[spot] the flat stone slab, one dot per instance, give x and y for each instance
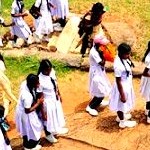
(67, 35)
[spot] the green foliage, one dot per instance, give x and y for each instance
(17, 69)
(22, 66)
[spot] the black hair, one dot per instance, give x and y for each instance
(2, 110)
(44, 65)
(1, 57)
(96, 46)
(147, 51)
(20, 6)
(123, 48)
(96, 12)
(39, 95)
(32, 81)
(98, 8)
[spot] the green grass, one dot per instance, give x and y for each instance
(19, 67)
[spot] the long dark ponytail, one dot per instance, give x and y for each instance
(20, 5)
(124, 48)
(32, 81)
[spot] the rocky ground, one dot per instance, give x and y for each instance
(86, 132)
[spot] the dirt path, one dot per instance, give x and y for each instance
(63, 144)
(88, 132)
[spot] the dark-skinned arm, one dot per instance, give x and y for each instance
(145, 73)
(33, 108)
(43, 113)
(20, 14)
(59, 95)
(102, 63)
(120, 89)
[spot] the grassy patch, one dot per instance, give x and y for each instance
(19, 67)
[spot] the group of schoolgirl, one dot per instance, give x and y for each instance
(44, 24)
(121, 93)
(38, 109)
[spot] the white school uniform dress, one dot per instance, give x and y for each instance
(20, 29)
(27, 124)
(61, 10)
(55, 116)
(145, 81)
(99, 84)
(3, 145)
(43, 24)
(115, 103)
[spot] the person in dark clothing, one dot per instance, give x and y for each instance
(87, 26)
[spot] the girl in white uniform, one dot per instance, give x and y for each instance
(122, 94)
(43, 24)
(99, 84)
(52, 103)
(20, 29)
(61, 11)
(4, 140)
(145, 82)
(27, 121)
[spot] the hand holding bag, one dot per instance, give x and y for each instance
(35, 11)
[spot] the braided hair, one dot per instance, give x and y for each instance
(124, 48)
(32, 81)
(44, 65)
(20, 5)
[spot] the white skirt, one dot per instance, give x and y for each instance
(99, 84)
(145, 88)
(44, 24)
(115, 103)
(3, 145)
(20, 29)
(28, 124)
(55, 116)
(61, 10)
